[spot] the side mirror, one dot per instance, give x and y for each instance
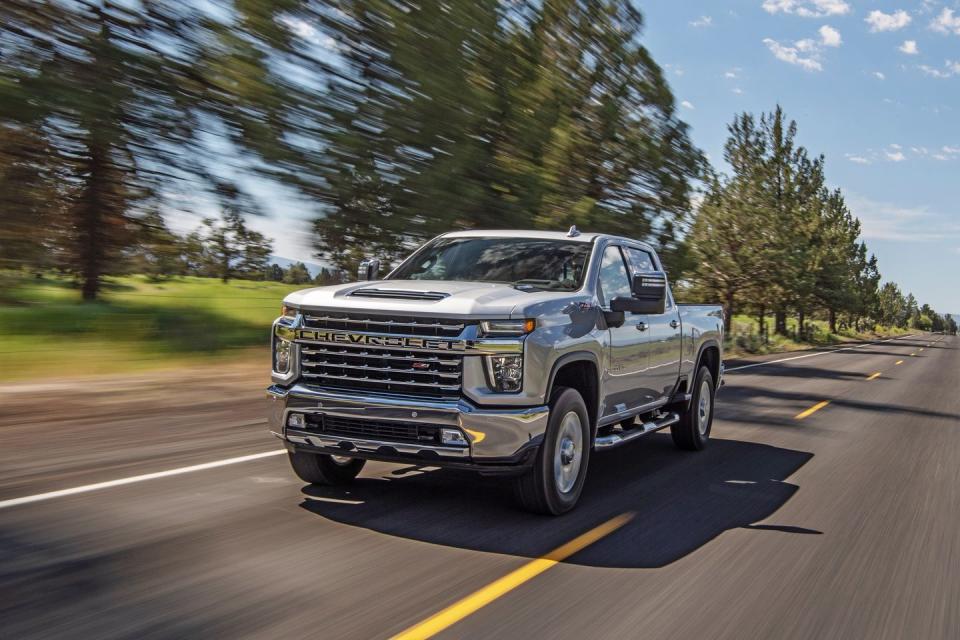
(650, 285)
(369, 269)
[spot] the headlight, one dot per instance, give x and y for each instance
(506, 372)
(507, 327)
(287, 311)
(281, 355)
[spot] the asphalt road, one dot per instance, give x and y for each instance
(844, 523)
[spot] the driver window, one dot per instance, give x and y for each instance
(613, 281)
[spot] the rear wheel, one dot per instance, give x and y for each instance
(693, 430)
(320, 468)
(554, 483)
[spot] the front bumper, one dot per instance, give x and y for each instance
(496, 437)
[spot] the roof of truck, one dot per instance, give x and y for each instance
(539, 235)
(515, 233)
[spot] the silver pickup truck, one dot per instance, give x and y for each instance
(505, 352)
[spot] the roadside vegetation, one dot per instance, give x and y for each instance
(137, 323)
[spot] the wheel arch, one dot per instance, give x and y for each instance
(579, 370)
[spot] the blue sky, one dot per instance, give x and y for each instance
(886, 113)
(875, 86)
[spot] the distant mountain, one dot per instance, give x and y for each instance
(313, 267)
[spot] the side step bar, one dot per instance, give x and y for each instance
(612, 440)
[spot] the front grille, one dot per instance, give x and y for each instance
(385, 430)
(414, 372)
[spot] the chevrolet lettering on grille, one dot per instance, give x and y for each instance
(405, 342)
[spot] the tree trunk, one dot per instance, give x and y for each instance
(833, 321)
(801, 320)
(762, 323)
(91, 235)
(728, 313)
(780, 323)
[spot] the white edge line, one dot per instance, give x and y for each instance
(812, 355)
(50, 495)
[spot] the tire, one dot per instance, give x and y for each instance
(319, 468)
(692, 432)
(553, 485)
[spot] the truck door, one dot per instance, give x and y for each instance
(627, 356)
(662, 338)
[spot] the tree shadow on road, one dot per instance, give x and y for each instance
(680, 501)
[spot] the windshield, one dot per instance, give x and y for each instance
(522, 262)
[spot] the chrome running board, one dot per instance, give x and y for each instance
(612, 440)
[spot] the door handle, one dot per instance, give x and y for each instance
(674, 324)
(641, 326)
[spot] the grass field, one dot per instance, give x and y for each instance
(45, 330)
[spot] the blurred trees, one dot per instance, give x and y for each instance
(484, 114)
(105, 108)
(399, 120)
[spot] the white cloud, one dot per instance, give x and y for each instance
(730, 74)
(737, 90)
(686, 104)
(792, 55)
(950, 68)
(857, 159)
(946, 23)
(879, 75)
(889, 221)
(893, 154)
(808, 8)
(702, 21)
(830, 37)
(950, 150)
(805, 53)
(909, 47)
(880, 21)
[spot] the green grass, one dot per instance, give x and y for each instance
(46, 330)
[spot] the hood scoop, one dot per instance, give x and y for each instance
(398, 294)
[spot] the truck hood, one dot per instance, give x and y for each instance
(437, 298)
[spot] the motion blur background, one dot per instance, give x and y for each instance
(142, 141)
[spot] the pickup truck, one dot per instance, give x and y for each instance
(520, 353)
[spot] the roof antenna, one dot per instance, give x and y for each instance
(573, 233)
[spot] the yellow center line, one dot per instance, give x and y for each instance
(813, 409)
(898, 362)
(484, 596)
(875, 375)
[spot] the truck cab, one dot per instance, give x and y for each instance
(505, 352)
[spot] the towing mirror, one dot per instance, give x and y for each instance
(649, 294)
(369, 269)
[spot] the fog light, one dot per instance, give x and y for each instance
(452, 436)
(506, 372)
(297, 420)
(281, 356)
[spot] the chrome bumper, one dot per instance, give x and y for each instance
(494, 435)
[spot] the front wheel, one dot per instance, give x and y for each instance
(554, 483)
(320, 468)
(693, 430)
